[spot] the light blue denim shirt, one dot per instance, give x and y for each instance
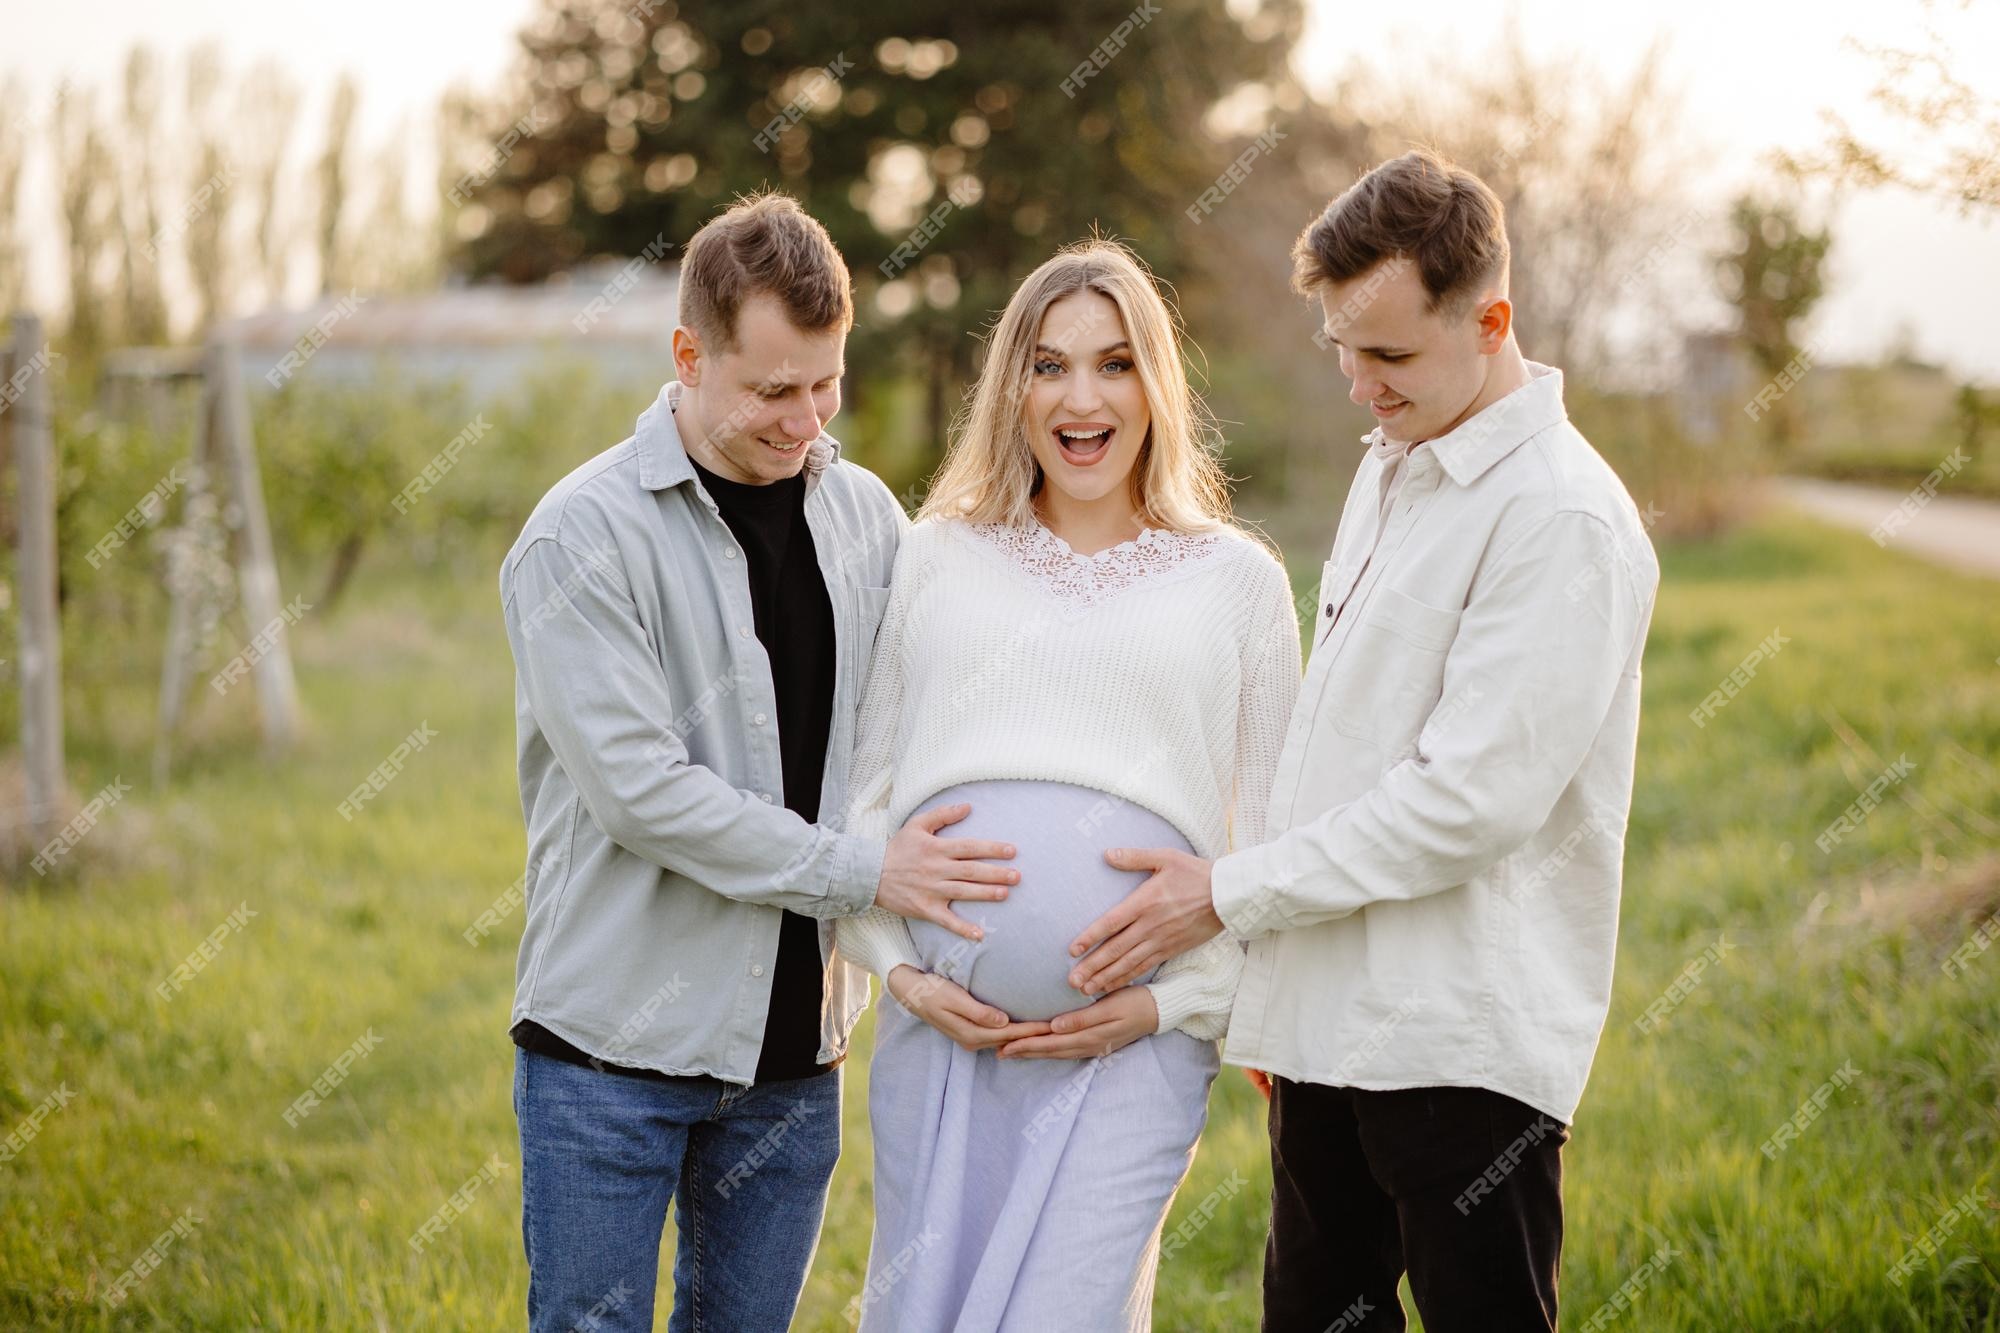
(661, 856)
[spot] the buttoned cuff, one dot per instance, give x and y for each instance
(859, 875)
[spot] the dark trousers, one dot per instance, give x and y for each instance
(1461, 1186)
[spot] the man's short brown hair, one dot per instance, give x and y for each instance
(1421, 207)
(764, 243)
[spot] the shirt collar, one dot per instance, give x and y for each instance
(1479, 442)
(663, 459)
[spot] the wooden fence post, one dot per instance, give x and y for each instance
(41, 627)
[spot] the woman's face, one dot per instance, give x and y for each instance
(1087, 412)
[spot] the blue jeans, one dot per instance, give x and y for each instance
(601, 1156)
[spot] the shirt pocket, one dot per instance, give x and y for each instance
(1391, 671)
(869, 605)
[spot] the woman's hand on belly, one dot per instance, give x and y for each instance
(951, 1009)
(1094, 1031)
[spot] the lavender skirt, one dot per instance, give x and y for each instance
(1028, 1195)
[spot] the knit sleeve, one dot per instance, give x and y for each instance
(878, 939)
(1264, 710)
(1195, 990)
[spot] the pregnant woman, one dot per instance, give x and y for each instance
(1081, 647)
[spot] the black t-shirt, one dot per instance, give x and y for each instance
(794, 622)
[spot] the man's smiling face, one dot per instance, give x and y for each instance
(1417, 369)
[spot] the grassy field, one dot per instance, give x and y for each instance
(1816, 967)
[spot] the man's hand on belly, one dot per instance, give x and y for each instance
(1169, 914)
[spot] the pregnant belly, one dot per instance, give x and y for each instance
(1060, 833)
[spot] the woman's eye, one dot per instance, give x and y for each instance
(1048, 367)
(1117, 364)
(1396, 360)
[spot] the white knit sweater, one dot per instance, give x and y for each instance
(1161, 671)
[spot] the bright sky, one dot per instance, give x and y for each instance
(1754, 74)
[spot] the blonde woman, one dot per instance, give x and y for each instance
(1083, 648)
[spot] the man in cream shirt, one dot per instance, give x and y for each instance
(1432, 923)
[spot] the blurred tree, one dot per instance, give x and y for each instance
(1773, 272)
(14, 147)
(977, 142)
(269, 110)
(145, 303)
(333, 184)
(88, 202)
(1955, 127)
(204, 216)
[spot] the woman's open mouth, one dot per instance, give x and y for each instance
(1086, 443)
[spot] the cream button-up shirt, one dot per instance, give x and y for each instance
(1437, 901)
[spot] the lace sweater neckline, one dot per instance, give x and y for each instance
(1037, 551)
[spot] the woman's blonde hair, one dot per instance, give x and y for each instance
(990, 475)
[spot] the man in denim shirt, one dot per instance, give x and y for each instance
(692, 614)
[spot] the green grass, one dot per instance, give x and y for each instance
(178, 1105)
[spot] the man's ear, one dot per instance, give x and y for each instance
(1496, 323)
(687, 355)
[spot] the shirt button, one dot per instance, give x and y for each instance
(757, 970)
(1329, 608)
(743, 630)
(759, 719)
(729, 553)
(764, 796)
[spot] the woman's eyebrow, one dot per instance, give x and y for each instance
(1058, 351)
